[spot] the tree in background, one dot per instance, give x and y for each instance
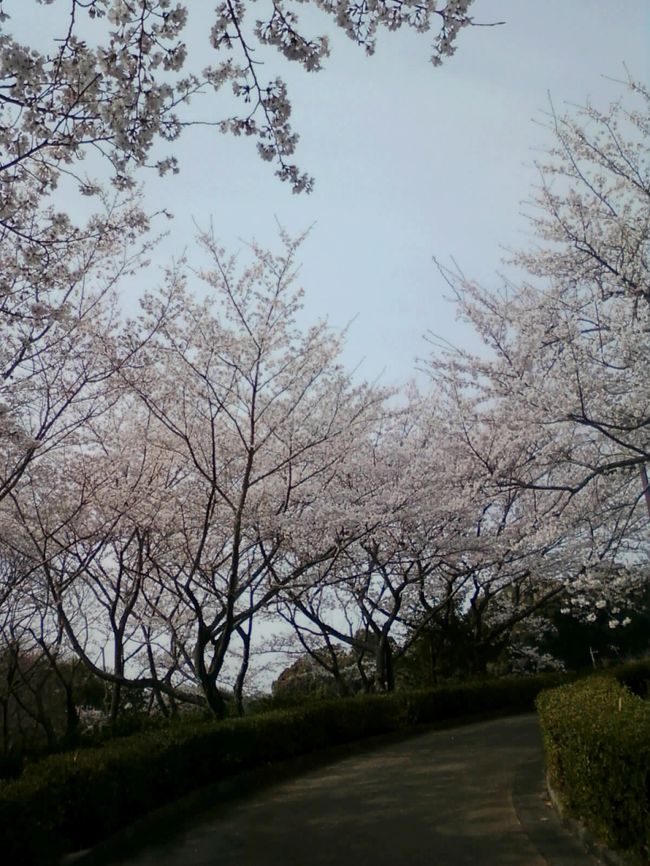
(57, 317)
(223, 473)
(452, 560)
(563, 387)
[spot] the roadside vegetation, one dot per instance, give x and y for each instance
(596, 735)
(70, 801)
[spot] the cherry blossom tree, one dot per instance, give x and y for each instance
(58, 343)
(223, 472)
(558, 405)
(118, 78)
(571, 342)
(266, 427)
(88, 520)
(355, 603)
(57, 313)
(449, 551)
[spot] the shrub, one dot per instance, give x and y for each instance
(70, 801)
(596, 736)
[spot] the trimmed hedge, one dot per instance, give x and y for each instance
(596, 737)
(70, 801)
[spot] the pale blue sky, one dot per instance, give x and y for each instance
(410, 162)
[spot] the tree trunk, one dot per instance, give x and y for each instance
(71, 734)
(243, 669)
(114, 708)
(384, 662)
(215, 700)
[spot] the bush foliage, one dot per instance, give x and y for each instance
(70, 801)
(596, 736)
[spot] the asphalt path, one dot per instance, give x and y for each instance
(456, 797)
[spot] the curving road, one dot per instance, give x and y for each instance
(457, 797)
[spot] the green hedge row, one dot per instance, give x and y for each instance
(70, 801)
(596, 736)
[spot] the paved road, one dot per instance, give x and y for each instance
(469, 796)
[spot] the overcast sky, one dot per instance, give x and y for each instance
(410, 162)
